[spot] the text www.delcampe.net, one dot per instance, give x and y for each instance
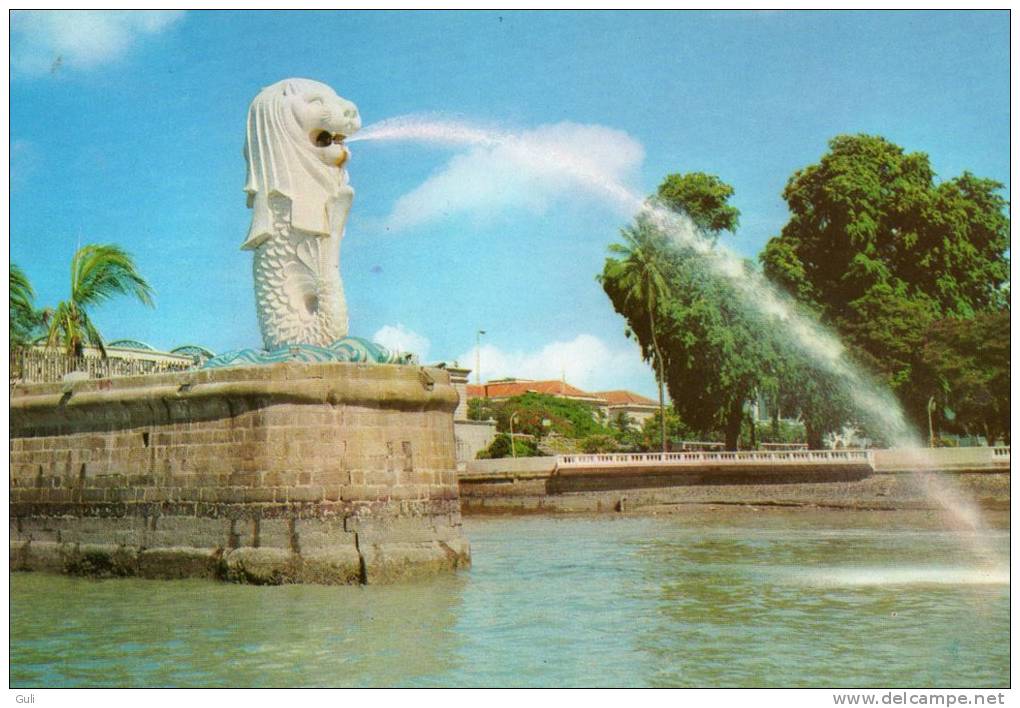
(909, 698)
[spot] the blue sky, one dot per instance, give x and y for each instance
(128, 128)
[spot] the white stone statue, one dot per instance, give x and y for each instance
(298, 192)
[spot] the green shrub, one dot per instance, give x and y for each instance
(500, 447)
(599, 443)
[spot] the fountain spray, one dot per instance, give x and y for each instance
(822, 347)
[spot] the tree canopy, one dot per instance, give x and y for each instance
(869, 222)
(539, 414)
(702, 197)
(886, 254)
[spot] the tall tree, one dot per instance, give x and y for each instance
(704, 198)
(714, 353)
(881, 252)
(24, 318)
(98, 272)
(637, 274)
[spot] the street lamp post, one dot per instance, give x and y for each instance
(478, 356)
(513, 449)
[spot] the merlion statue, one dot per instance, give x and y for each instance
(298, 193)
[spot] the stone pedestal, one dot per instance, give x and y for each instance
(326, 473)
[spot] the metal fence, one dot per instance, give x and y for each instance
(41, 366)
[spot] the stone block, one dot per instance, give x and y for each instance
(306, 494)
(102, 560)
(315, 535)
(335, 566)
(262, 566)
(275, 533)
(180, 562)
(395, 562)
(186, 531)
(259, 494)
(18, 559)
(45, 557)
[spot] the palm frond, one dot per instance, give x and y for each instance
(101, 271)
(98, 273)
(24, 319)
(92, 335)
(22, 295)
(61, 327)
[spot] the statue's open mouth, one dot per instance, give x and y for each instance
(324, 138)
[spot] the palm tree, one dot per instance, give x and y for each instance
(98, 272)
(640, 273)
(23, 315)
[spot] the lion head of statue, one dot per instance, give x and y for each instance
(295, 148)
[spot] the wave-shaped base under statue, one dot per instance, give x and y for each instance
(349, 349)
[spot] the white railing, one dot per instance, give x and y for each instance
(750, 457)
(945, 458)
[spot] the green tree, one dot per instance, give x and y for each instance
(599, 443)
(98, 272)
(821, 399)
(964, 366)
(539, 414)
(481, 409)
(702, 197)
(24, 318)
(621, 422)
(500, 447)
(675, 429)
(881, 252)
(722, 351)
(637, 277)
(713, 351)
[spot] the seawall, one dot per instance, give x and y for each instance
(535, 485)
(326, 472)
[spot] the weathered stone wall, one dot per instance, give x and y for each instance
(529, 476)
(880, 491)
(284, 473)
(529, 485)
(472, 436)
(459, 380)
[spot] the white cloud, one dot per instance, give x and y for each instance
(586, 361)
(530, 171)
(399, 338)
(24, 159)
(47, 40)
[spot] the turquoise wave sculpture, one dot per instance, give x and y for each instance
(349, 349)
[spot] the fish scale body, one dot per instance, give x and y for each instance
(298, 290)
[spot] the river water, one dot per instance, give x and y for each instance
(700, 598)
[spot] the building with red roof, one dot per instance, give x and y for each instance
(612, 403)
(636, 406)
(508, 388)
